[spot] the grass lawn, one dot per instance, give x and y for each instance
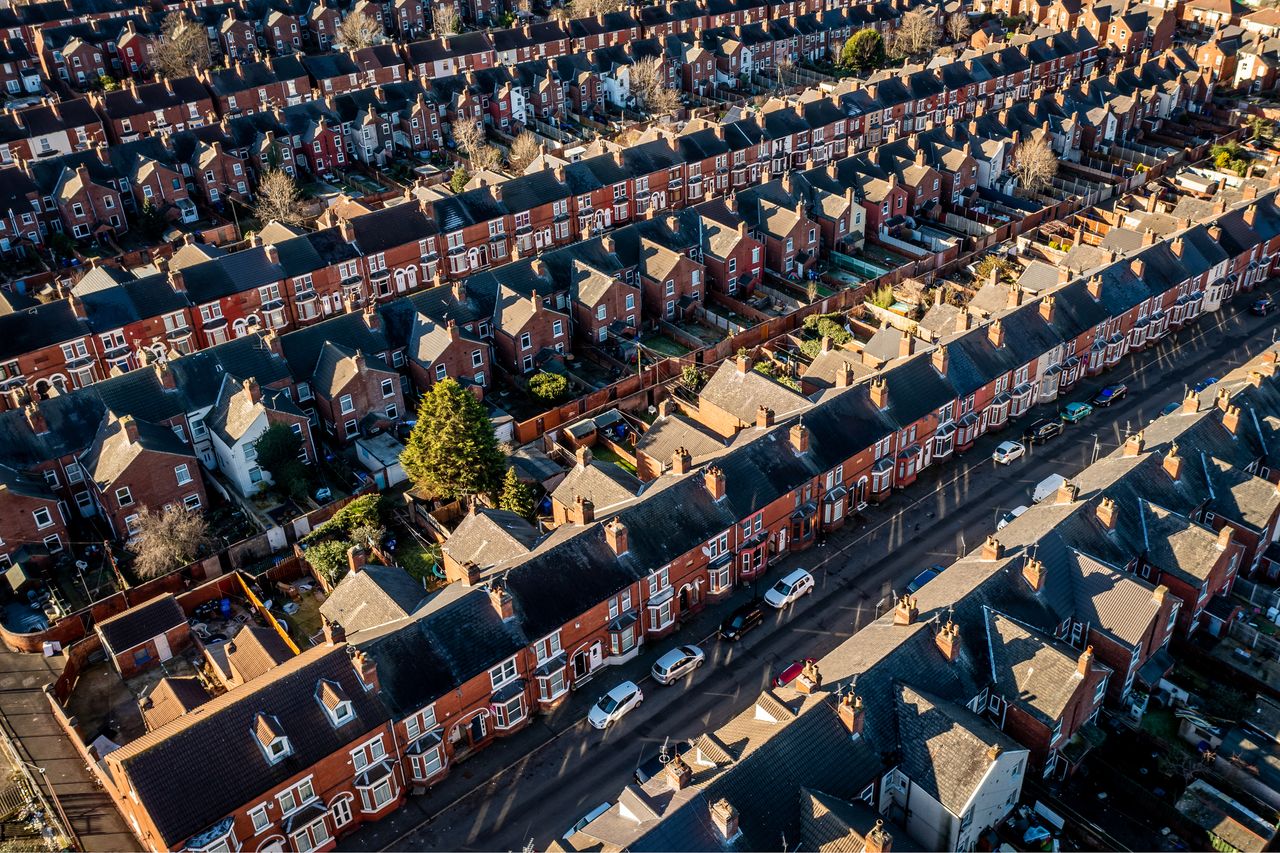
(663, 345)
(607, 454)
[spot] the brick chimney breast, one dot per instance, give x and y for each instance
(992, 549)
(852, 713)
(615, 534)
(948, 640)
(1106, 513)
(1231, 419)
(906, 611)
(1085, 662)
(713, 479)
(1033, 573)
(680, 461)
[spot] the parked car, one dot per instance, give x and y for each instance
(1110, 394)
(791, 672)
(924, 577)
(587, 818)
(1171, 408)
(1008, 451)
(1262, 306)
(789, 589)
(742, 620)
(1010, 516)
(615, 705)
(653, 765)
(1041, 431)
(1205, 383)
(677, 663)
(1074, 413)
(1047, 488)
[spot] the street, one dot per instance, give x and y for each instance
(536, 786)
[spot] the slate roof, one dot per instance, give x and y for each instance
(218, 738)
(1031, 670)
(667, 434)
(172, 697)
(605, 484)
(112, 452)
(254, 650)
(742, 393)
(372, 597)
(486, 537)
(137, 625)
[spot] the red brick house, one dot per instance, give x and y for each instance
(88, 208)
(31, 521)
(437, 350)
(154, 108)
(354, 393)
(144, 636)
(602, 303)
(524, 327)
(134, 465)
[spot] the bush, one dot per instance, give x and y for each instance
(363, 512)
(329, 559)
(548, 387)
(882, 298)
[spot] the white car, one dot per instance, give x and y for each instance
(789, 589)
(587, 819)
(1010, 516)
(1008, 451)
(677, 663)
(615, 705)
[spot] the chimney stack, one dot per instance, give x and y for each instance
(851, 712)
(1067, 493)
(582, 456)
(367, 669)
(1106, 513)
(995, 333)
(992, 549)
(844, 374)
(584, 511)
(764, 417)
(679, 774)
(615, 534)
(1173, 462)
(1095, 287)
(939, 359)
(1190, 403)
(713, 479)
(799, 435)
(905, 612)
(725, 819)
(877, 840)
(1085, 662)
(502, 603)
(879, 391)
(744, 363)
(1046, 308)
(948, 640)
(1231, 420)
(1133, 444)
(1225, 536)
(680, 461)
(357, 558)
(35, 418)
(1033, 573)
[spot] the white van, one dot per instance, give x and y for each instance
(1047, 488)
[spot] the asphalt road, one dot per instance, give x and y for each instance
(561, 768)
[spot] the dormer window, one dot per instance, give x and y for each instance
(335, 703)
(271, 738)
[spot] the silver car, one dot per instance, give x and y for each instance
(677, 663)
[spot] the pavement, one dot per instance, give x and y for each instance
(53, 760)
(535, 785)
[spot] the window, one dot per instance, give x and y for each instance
(183, 473)
(373, 799)
(366, 754)
(75, 473)
(291, 798)
(311, 836)
(423, 721)
(547, 648)
(191, 502)
(260, 819)
(388, 388)
(53, 544)
(123, 496)
(351, 428)
(526, 341)
(557, 328)
(1100, 691)
(508, 714)
(345, 404)
(43, 518)
(658, 581)
(503, 673)
(441, 371)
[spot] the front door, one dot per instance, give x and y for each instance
(477, 729)
(597, 654)
(581, 665)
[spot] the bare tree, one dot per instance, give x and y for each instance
(786, 71)
(560, 14)
(471, 141)
(1035, 164)
(524, 150)
(649, 85)
(167, 540)
(958, 27)
(590, 8)
(359, 29)
(279, 199)
(917, 34)
(182, 48)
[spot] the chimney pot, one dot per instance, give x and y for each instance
(948, 640)
(1085, 662)
(905, 612)
(1033, 572)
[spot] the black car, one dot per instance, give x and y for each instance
(742, 620)
(652, 766)
(1263, 306)
(1041, 431)
(1110, 394)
